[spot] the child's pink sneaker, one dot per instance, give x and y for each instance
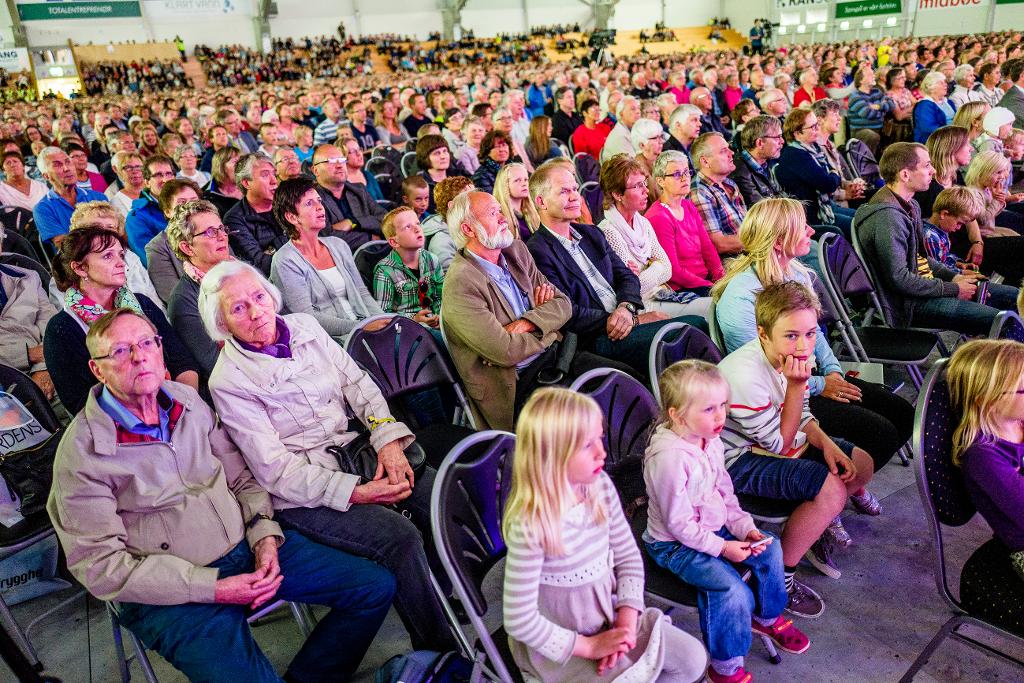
(788, 637)
(741, 676)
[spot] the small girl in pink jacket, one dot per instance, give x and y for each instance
(697, 530)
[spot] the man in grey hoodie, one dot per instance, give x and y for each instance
(915, 290)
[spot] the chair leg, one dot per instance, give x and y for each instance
(122, 658)
(453, 621)
(11, 626)
(303, 617)
(922, 659)
(773, 654)
(905, 454)
(142, 658)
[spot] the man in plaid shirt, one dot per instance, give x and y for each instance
(716, 196)
(408, 280)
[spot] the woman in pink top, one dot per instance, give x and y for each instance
(679, 228)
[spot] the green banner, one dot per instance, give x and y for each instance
(867, 8)
(79, 10)
(1009, 2)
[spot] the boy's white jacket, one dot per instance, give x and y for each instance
(691, 495)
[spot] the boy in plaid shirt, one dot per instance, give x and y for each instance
(408, 280)
(954, 207)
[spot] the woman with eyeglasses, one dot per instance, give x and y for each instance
(803, 171)
(128, 167)
(90, 269)
(679, 229)
(199, 240)
(632, 238)
(317, 275)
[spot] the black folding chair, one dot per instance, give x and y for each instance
(846, 278)
(1007, 325)
(947, 504)
(466, 510)
(367, 256)
(675, 342)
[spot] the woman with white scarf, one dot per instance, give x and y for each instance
(631, 236)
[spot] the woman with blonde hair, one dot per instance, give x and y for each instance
(988, 173)
(631, 236)
(512, 190)
(775, 235)
(569, 617)
(986, 385)
(972, 116)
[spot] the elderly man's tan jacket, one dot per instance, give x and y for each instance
(139, 522)
(474, 313)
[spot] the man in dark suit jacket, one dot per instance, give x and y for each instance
(253, 232)
(1014, 97)
(576, 258)
(760, 143)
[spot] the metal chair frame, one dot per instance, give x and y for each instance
(654, 360)
(1007, 325)
(490, 663)
(960, 617)
(302, 613)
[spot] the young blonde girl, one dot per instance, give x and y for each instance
(696, 527)
(574, 579)
(986, 384)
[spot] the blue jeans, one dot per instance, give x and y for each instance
(212, 642)
(635, 349)
(950, 313)
(843, 219)
(724, 601)
(1003, 297)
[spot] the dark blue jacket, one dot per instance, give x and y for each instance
(558, 266)
(800, 176)
(928, 118)
(145, 221)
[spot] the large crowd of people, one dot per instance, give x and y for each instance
(203, 273)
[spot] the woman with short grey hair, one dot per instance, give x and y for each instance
(284, 389)
(200, 241)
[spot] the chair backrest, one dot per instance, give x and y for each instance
(367, 256)
(390, 153)
(630, 413)
(408, 164)
(844, 266)
(27, 263)
(594, 197)
(587, 168)
(402, 357)
(467, 506)
(829, 313)
(675, 342)
(862, 160)
(1007, 325)
(713, 329)
(17, 219)
(939, 482)
(21, 386)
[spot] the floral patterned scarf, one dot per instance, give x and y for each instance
(88, 311)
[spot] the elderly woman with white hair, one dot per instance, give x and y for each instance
(963, 91)
(648, 140)
(935, 109)
(284, 389)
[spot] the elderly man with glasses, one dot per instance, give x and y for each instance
(352, 214)
(155, 509)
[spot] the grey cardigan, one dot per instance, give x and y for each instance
(305, 291)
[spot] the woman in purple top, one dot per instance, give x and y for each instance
(986, 383)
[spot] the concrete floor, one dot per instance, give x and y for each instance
(878, 616)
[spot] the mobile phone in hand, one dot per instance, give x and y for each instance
(764, 541)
